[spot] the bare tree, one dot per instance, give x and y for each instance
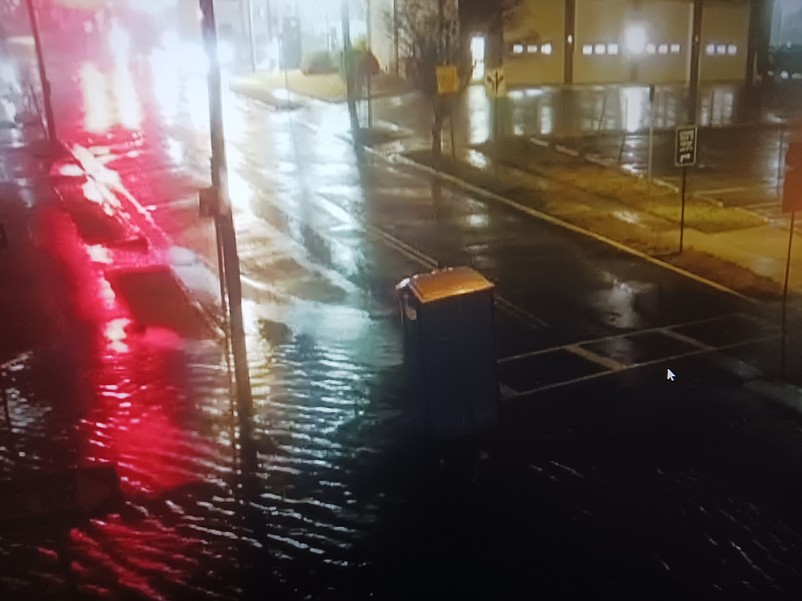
(428, 37)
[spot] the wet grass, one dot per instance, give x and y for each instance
(729, 274)
(628, 190)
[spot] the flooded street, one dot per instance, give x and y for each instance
(619, 487)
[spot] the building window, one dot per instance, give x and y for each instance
(517, 48)
(612, 49)
(710, 49)
(721, 49)
(532, 48)
(663, 49)
(587, 49)
(651, 48)
(546, 48)
(675, 48)
(600, 49)
(732, 49)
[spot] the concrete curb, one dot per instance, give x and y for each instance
(397, 158)
(210, 317)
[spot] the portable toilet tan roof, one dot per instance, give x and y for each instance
(446, 283)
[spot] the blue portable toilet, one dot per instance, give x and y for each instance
(450, 351)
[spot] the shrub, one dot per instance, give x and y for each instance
(318, 63)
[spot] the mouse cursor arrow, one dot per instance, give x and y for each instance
(670, 375)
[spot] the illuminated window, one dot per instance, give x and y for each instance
(532, 48)
(587, 49)
(546, 48)
(674, 48)
(518, 49)
(721, 49)
(650, 49)
(732, 49)
(612, 48)
(663, 49)
(710, 49)
(600, 49)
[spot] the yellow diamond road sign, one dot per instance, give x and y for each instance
(447, 80)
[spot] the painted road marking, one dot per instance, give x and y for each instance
(399, 159)
(634, 333)
(429, 262)
(633, 366)
(610, 364)
(686, 339)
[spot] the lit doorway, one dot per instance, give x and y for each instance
(478, 57)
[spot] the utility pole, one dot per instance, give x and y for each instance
(347, 60)
(251, 44)
(369, 23)
(696, 51)
(52, 136)
(224, 220)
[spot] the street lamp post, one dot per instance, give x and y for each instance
(224, 220)
(52, 135)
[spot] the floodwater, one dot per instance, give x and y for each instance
(606, 490)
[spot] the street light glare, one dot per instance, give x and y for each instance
(635, 39)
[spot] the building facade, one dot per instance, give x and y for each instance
(619, 41)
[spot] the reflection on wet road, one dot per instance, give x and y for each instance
(584, 491)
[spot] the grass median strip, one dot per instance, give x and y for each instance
(627, 190)
(648, 233)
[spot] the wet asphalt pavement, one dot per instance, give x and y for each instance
(604, 479)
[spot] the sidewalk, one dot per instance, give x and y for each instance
(32, 315)
(272, 87)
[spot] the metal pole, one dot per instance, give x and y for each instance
(397, 47)
(249, 9)
(225, 220)
(682, 213)
(780, 161)
(369, 18)
(453, 143)
(347, 58)
(785, 289)
(693, 84)
(52, 135)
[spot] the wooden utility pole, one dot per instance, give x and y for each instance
(224, 220)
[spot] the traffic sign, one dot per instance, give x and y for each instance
(792, 186)
(495, 83)
(447, 79)
(685, 146)
(36, 497)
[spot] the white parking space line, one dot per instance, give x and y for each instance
(606, 362)
(658, 329)
(676, 357)
(686, 339)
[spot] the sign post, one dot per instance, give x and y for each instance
(684, 156)
(448, 85)
(496, 86)
(792, 202)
